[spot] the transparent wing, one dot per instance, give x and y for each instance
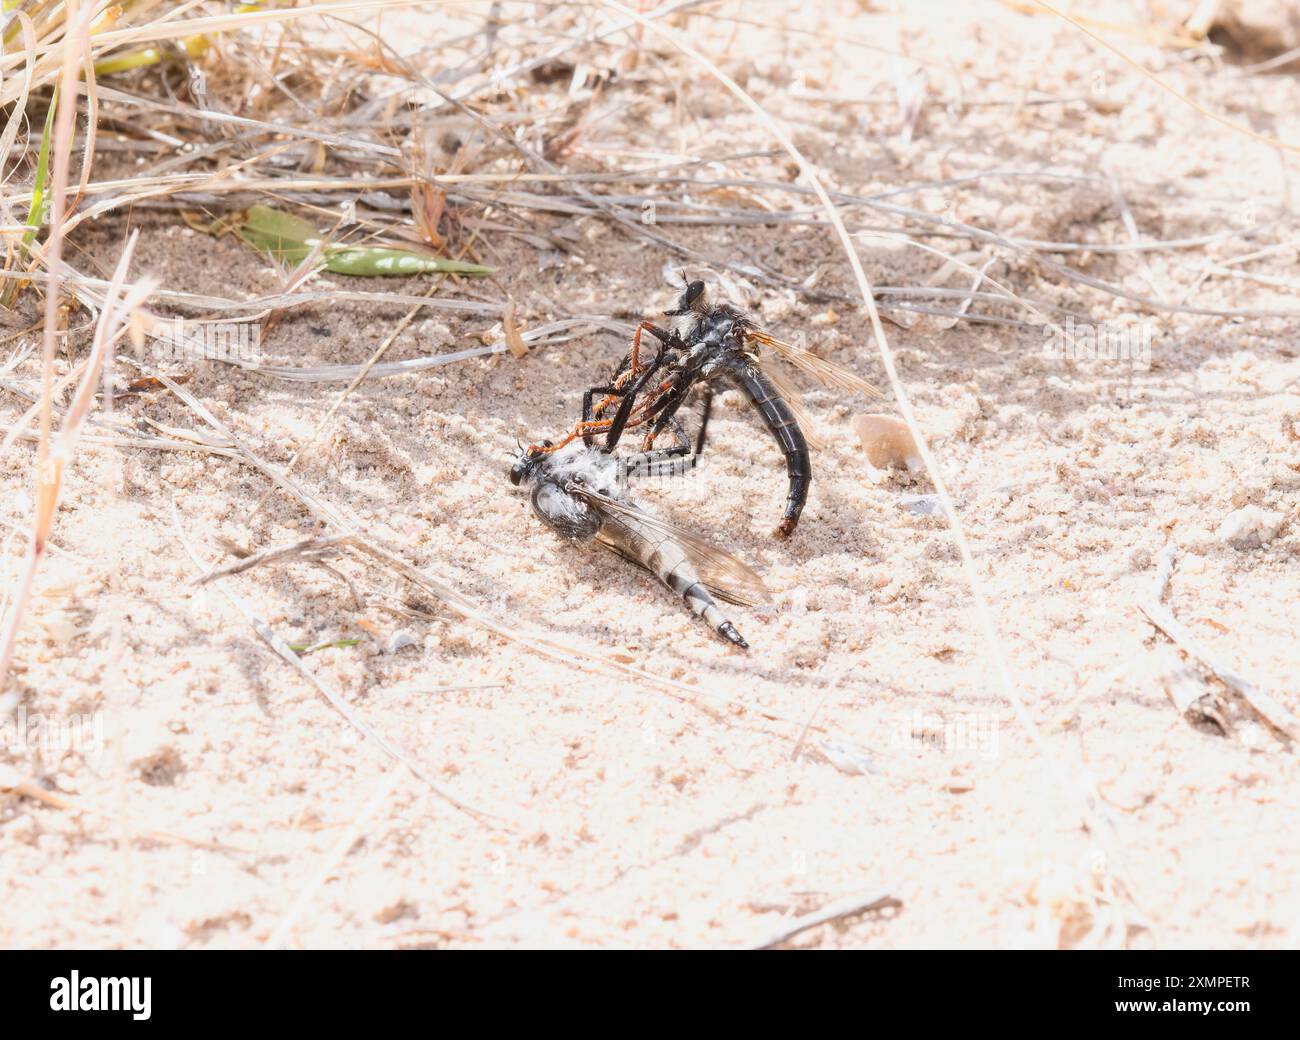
(727, 577)
(825, 372)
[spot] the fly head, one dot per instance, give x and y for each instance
(693, 300)
(526, 465)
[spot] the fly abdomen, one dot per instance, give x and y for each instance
(663, 557)
(784, 427)
(681, 579)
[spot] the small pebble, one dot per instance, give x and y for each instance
(887, 441)
(1249, 527)
(926, 505)
(399, 640)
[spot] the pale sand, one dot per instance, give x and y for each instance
(628, 817)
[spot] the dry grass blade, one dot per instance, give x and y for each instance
(309, 549)
(841, 909)
(287, 654)
(52, 458)
(1268, 707)
(112, 325)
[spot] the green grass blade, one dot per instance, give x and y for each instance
(287, 238)
(38, 211)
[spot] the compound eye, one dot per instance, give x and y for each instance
(693, 292)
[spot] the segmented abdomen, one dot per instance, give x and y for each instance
(784, 427)
(663, 557)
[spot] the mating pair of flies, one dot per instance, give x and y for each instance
(579, 487)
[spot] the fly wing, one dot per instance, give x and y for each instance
(825, 372)
(727, 577)
(794, 399)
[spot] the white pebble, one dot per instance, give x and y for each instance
(1249, 527)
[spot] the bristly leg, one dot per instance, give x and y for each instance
(630, 366)
(624, 413)
(588, 415)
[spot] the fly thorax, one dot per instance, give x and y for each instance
(685, 325)
(587, 467)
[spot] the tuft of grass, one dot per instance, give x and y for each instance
(38, 210)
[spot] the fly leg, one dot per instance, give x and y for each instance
(682, 447)
(624, 413)
(706, 395)
(611, 393)
(663, 462)
(784, 428)
(629, 367)
(682, 457)
(664, 410)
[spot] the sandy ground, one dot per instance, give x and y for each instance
(235, 807)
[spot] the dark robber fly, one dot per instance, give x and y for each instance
(581, 493)
(708, 343)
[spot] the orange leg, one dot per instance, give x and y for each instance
(639, 410)
(582, 429)
(578, 430)
(634, 368)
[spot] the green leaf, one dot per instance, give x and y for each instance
(289, 239)
(286, 237)
(378, 261)
(307, 648)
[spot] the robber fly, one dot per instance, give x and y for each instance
(705, 344)
(581, 493)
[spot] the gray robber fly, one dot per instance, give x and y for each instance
(581, 493)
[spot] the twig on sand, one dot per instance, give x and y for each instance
(336, 702)
(309, 549)
(1264, 704)
(12, 783)
(850, 906)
